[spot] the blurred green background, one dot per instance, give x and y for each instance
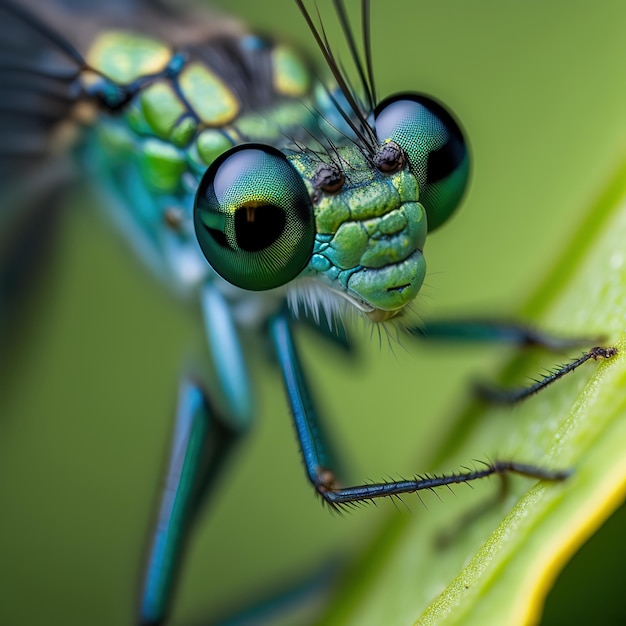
(86, 396)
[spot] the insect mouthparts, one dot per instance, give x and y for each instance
(398, 287)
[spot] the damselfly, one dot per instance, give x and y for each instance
(148, 390)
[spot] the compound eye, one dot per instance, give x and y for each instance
(434, 146)
(254, 218)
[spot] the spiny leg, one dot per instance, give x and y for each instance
(493, 331)
(313, 446)
(500, 332)
(510, 396)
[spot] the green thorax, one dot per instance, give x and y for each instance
(193, 104)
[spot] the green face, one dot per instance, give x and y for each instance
(353, 220)
(369, 232)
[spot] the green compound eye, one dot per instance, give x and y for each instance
(254, 218)
(435, 147)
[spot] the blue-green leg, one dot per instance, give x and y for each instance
(293, 602)
(494, 331)
(202, 441)
(313, 446)
(226, 354)
(496, 395)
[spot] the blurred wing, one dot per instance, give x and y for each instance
(42, 110)
(36, 97)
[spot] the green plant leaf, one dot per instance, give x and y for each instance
(456, 564)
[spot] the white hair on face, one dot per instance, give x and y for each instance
(309, 298)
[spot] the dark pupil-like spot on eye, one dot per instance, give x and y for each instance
(328, 178)
(442, 162)
(389, 158)
(258, 227)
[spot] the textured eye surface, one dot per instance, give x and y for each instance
(254, 218)
(434, 146)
